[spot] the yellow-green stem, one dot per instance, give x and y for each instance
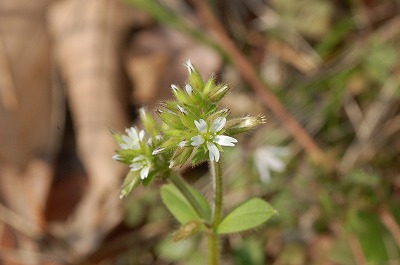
(213, 248)
(213, 237)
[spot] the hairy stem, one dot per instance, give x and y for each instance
(218, 189)
(213, 248)
(183, 188)
(213, 237)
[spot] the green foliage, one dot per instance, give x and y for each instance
(179, 206)
(374, 238)
(353, 50)
(247, 215)
(249, 253)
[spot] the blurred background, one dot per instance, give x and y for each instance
(325, 73)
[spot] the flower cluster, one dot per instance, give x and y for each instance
(193, 129)
(136, 148)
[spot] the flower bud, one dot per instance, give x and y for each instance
(171, 119)
(117, 136)
(244, 124)
(195, 79)
(180, 156)
(132, 180)
(223, 113)
(209, 85)
(218, 92)
(149, 122)
(183, 97)
(171, 143)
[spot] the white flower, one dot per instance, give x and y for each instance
(188, 89)
(117, 157)
(174, 88)
(182, 110)
(142, 164)
(132, 140)
(182, 144)
(269, 158)
(189, 66)
(157, 151)
(209, 135)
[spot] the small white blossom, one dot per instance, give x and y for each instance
(117, 157)
(142, 164)
(181, 109)
(182, 144)
(157, 151)
(174, 88)
(188, 89)
(209, 135)
(132, 140)
(269, 158)
(188, 64)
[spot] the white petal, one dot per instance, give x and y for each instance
(213, 152)
(188, 89)
(124, 146)
(201, 125)
(182, 109)
(132, 133)
(265, 175)
(174, 88)
(218, 124)
(116, 157)
(136, 166)
(197, 140)
(141, 135)
(157, 151)
(225, 140)
(275, 164)
(189, 66)
(138, 158)
(182, 144)
(144, 173)
(126, 139)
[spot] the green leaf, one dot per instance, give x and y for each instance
(179, 206)
(247, 215)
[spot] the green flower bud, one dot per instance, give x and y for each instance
(180, 156)
(171, 119)
(218, 92)
(209, 85)
(223, 113)
(132, 180)
(149, 123)
(171, 143)
(117, 136)
(245, 124)
(182, 96)
(195, 79)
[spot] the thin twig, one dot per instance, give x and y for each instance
(249, 74)
(371, 123)
(391, 224)
(357, 251)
